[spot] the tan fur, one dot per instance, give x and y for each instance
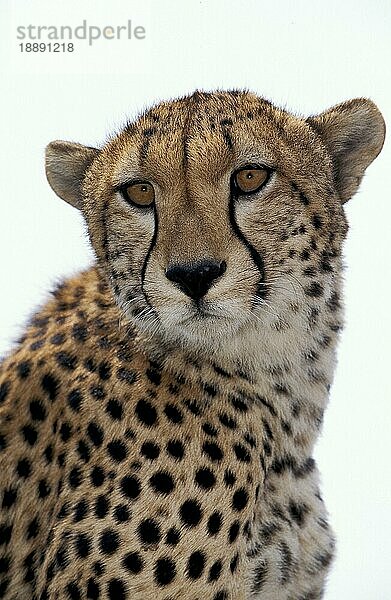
(125, 407)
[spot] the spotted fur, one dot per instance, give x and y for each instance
(157, 448)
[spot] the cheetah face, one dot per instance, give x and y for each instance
(211, 214)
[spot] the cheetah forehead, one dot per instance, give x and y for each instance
(205, 134)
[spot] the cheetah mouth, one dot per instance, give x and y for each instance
(198, 316)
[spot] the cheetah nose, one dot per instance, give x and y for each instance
(195, 279)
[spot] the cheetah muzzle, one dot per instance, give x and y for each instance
(158, 416)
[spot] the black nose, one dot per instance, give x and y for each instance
(195, 279)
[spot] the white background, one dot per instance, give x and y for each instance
(305, 55)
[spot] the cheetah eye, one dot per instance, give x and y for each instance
(250, 179)
(140, 193)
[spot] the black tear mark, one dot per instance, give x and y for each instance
(256, 257)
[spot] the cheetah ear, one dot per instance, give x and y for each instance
(66, 164)
(353, 132)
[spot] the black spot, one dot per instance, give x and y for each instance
(90, 365)
(239, 404)
(66, 360)
(172, 537)
(210, 389)
(83, 451)
(104, 371)
(37, 410)
(221, 595)
(162, 483)
(150, 450)
(109, 541)
(239, 499)
(64, 511)
(95, 433)
(209, 429)
(221, 371)
(234, 563)
(81, 510)
(154, 376)
(30, 434)
(93, 592)
(227, 421)
(196, 565)
(50, 385)
(65, 432)
(99, 568)
(149, 131)
(298, 512)
(191, 513)
(233, 531)
(4, 389)
(43, 489)
(215, 522)
(229, 478)
(213, 451)
(315, 290)
(260, 576)
(317, 221)
(79, 332)
(101, 506)
(205, 478)
(5, 534)
(82, 545)
(267, 404)
(73, 591)
(75, 477)
(215, 571)
(175, 449)
(97, 392)
(305, 254)
(9, 497)
(146, 413)
(74, 400)
(117, 450)
(130, 486)
(193, 407)
(116, 590)
(309, 272)
(24, 369)
(149, 532)
(32, 529)
(250, 440)
(303, 198)
(23, 468)
(164, 571)
(57, 339)
(97, 476)
(173, 414)
(114, 409)
(36, 345)
(133, 562)
(285, 563)
(126, 375)
(242, 453)
(121, 513)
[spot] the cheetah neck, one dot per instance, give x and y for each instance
(286, 366)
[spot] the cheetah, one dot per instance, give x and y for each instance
(159, 414)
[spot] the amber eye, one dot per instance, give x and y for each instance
(250, 179)
(140, 193)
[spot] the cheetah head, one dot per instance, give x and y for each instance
(213, 213)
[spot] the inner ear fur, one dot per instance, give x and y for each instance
(353, 133)
(66, 164)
